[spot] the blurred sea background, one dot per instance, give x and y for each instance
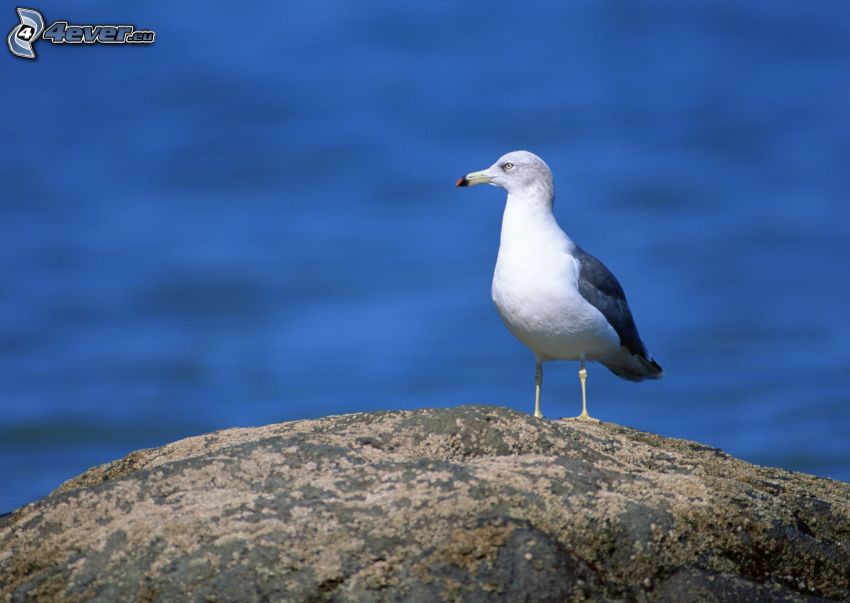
(254, 220)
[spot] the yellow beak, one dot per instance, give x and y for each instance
(474, 178)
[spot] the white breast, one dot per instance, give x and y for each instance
(536, 293)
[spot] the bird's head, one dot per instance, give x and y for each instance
(517, 172)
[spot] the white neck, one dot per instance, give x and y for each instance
(528, 222)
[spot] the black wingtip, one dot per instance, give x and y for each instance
(654, 370)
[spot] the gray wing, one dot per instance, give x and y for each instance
(600, 288)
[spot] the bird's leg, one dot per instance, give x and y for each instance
(538, 384)
(582, 375)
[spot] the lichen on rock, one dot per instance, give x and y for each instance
(464, 504)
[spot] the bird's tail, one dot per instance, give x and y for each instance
(634, 367)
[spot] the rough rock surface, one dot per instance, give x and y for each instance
(462, 504)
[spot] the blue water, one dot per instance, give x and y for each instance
(254, 220)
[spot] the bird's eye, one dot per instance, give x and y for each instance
(507, 166)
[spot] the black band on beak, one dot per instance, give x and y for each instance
(462, 181)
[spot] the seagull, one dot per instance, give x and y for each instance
(554, 297)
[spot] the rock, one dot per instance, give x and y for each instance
(463, 504)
